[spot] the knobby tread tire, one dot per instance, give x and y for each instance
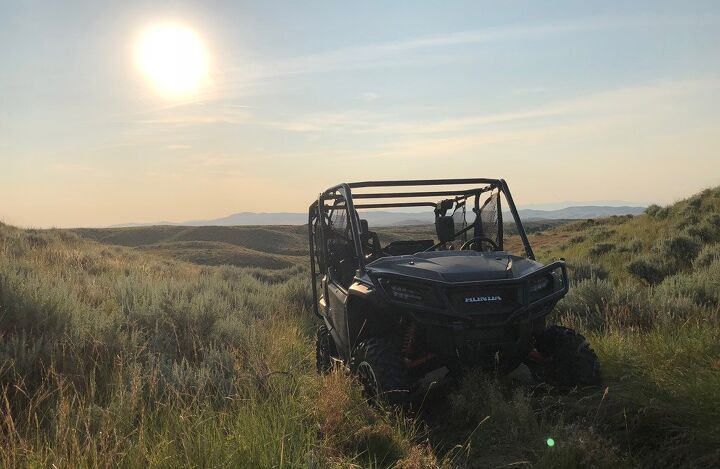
(569, 360)
(325, 350)
(383, 356)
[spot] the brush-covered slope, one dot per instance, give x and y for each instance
(111, 356)
(664, 242)
(266, 247)
(216, 253)
(290, 240)
(119, 354)
(646, 289)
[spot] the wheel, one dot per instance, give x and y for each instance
(378, 365)
(567, 359)
(325, 350)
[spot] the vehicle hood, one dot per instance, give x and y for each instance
(455, 266)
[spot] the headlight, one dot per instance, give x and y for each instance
(404, 293)
(539, 284)
(545, 285)
(408, 292)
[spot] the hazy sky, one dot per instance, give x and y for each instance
(566, 101)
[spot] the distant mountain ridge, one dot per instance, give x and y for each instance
(390, 218)
(580, 212)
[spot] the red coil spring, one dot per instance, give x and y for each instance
(408, 340)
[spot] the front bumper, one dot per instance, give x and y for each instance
(484, 303)
(473, 321)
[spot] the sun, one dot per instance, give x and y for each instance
(173, 57)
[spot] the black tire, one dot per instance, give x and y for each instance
(325, 350)
(568, 359)
(379, 367)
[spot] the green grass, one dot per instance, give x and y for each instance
(218, 253)
(113, 356)
(266, 247)
(142, 347)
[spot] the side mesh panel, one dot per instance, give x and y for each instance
(338, 221)
(489, 219)
(460, 217)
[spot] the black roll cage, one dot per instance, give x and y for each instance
(316, 210)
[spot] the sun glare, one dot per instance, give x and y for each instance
(174, 58)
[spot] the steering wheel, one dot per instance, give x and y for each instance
(467, 245)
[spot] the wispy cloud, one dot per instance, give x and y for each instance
(197, 114)
(403, 52)
(369, 96)
(587, 117)
(619, 101)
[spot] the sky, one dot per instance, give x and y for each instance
(568, 101)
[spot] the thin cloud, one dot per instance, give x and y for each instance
(594, 116)
(397, 53)
(369, 96)
(635, 99)
(199, 116)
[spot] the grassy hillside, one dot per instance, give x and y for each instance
(112, 356)
(124, 354)
(647, 292)
(290, 239)
(267, 247)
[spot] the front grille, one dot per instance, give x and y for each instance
(486, 301)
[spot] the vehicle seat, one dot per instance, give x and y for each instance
(341, 260)
(366, 236)
(445, 228)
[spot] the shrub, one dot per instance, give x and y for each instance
(708, 230)
(601, 248)
(713, 219)
(582, 269)
(585, 303)
(617, 219)
(577, 239)
(600, 233)
(682, 247)
(298, 294)
(657, 211)
(701, 287)
(650, 268)
(701, 231)
(590, 222)
(669, 308)
(633, 246)
(597, 304)
(629, 308)
(695, 202)
(708, 254)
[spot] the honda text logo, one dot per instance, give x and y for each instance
(482, 299)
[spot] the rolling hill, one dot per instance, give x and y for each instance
(268, 247)
(271, 247)
(392, 218)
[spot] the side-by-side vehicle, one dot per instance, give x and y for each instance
(399, 311)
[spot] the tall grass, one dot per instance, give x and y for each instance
(656, 331)
(110, 357)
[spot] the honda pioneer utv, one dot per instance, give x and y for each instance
(399, 312)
